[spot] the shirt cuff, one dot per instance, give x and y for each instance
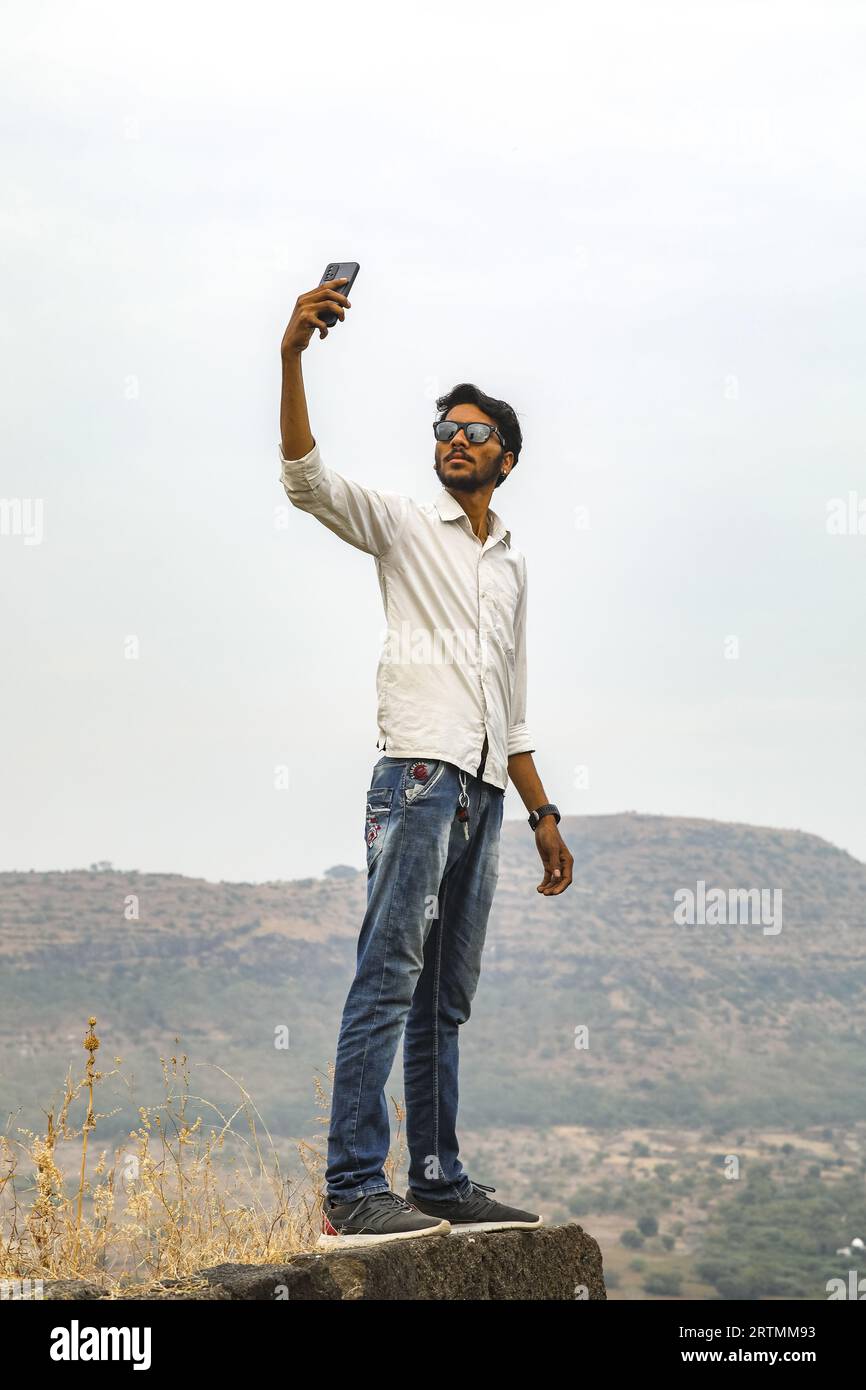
(520, 740)
(307, 470)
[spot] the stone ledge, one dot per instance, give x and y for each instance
(554, 1262)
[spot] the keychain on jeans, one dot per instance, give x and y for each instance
(463, 804)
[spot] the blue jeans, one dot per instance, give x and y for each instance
(429, 893)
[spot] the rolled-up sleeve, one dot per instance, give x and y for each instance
(370, 520)
(519, 737)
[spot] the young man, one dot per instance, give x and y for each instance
(452, 730)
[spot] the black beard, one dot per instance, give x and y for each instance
(474, 482)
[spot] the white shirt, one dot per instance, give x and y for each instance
(453, 660)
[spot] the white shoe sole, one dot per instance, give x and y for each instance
(458, 1226)
(324, 1242)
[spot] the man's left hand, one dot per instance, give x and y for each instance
(555, 857)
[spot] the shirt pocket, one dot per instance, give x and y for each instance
(376, 820)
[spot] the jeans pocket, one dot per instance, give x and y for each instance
(422, 774)
(376, 821)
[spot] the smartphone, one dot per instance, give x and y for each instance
(333, 271)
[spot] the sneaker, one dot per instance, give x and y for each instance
(377, 1217)
(477, 1212)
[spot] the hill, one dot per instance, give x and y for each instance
(596, 1008)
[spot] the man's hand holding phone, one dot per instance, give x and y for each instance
(306, 315)
(320, 308)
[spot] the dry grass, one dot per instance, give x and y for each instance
(173, 1201)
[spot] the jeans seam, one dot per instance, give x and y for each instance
(371, 1029)
(435, 1009)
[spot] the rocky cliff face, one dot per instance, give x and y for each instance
(557, 1262)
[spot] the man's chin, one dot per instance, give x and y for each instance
(459, 479)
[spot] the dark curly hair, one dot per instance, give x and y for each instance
(500, 411)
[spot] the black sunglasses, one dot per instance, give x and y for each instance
(476, 432)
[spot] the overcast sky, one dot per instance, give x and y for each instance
(641, 224)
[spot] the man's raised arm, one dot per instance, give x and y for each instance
(369, 520)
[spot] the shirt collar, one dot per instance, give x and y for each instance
(450, 510)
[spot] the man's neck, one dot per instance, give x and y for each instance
(475, 505)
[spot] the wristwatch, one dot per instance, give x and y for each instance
(535, 816)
